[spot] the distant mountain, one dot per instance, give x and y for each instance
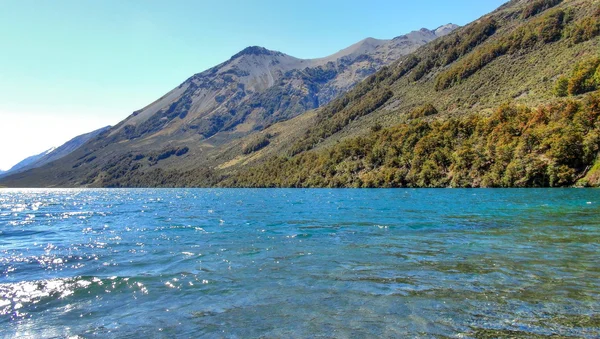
(25, 163)
(252, 90)
(54, 153)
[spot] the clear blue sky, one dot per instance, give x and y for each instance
(70, 66)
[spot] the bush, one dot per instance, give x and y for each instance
(257, 144)
(538, 6)
(423, 68)
(423, 111)
(586, 28)
(585, 77)
(561, 87)
(181, 151)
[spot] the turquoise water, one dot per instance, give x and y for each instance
(299, 263)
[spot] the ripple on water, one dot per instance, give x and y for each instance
(22, 299)
(300, 263)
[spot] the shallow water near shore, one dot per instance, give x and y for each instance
(299, 263)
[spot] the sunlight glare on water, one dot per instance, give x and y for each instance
(299, 263)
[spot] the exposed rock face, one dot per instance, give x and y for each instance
(258, 87)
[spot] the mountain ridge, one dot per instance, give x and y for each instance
(53, 153)
(509, 100)
(256, 69)
(253, 89)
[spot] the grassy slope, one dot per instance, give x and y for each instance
(526, 77)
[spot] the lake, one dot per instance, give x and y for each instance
(239, 263)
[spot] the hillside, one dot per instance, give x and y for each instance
(510, 100)
(195, 121)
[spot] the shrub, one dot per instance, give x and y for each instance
(181, 151)
(561, 87)
(586, 28)
(257, 144)
(584, 77)
(423, 111)
(538, 6)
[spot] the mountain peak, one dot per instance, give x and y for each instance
(255, 50)
(445, 29)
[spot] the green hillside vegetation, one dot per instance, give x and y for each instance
(584, 78)
(551, 145)
(548, 28)
(510, 100)
(513, 145)
(257, 144)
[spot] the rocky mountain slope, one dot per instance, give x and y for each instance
(511, 100)
(258, 87)
(252, 90)
(54, 153)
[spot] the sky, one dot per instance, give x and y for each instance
(68, 67)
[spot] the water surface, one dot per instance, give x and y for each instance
(299, 263)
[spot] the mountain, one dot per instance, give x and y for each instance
(252, 90)
(510, 100)
(25, 163)
(258, 87)
(54, 153)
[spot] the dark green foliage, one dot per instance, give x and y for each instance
(256, 144)
(405, 66)
(586, 28)
(423, 68)
(423, 111)
(553, 145)
(545, 29)
(181, 151)
(450, 49)
(585, 77)
(165, 154)
(538, 6)
(551, 27)
(561, 89)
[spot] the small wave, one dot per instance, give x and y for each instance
(16, 299)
